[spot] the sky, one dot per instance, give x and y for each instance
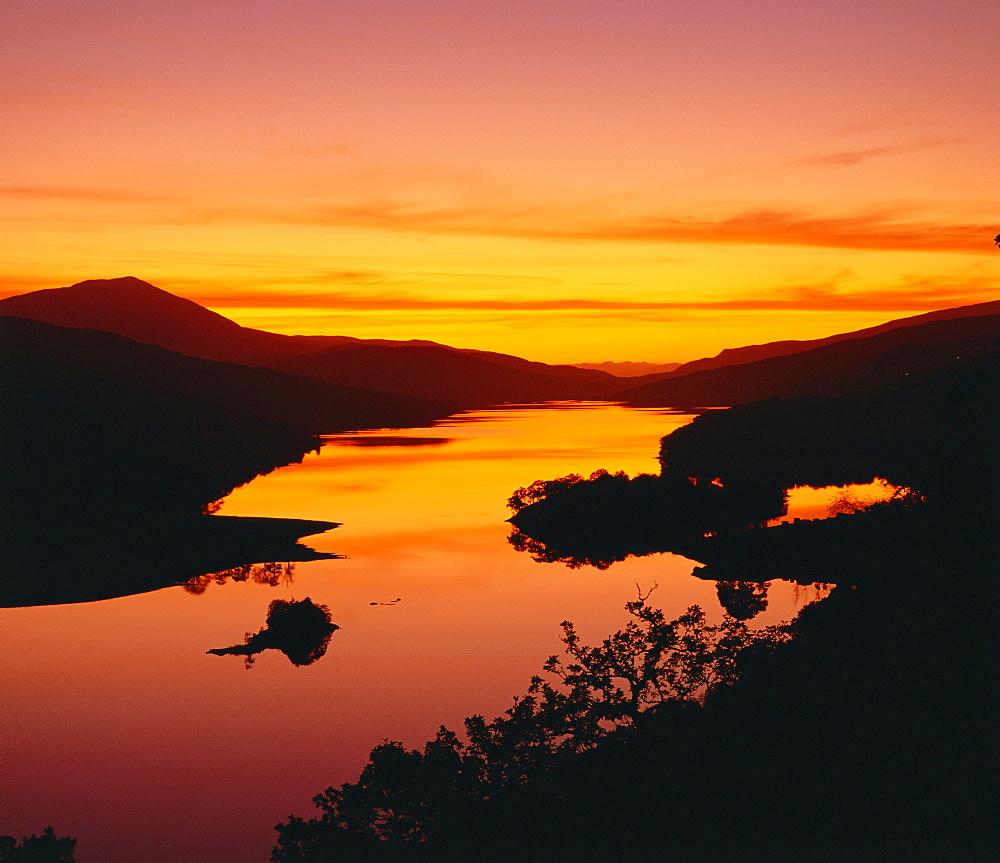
(567, 180)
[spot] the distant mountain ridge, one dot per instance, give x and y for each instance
(144, 313)
(37, 355)
(462, 378)
(834, 368)
(630, 369)
(752, 353)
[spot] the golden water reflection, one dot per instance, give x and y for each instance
(809, 502)
(439, 619)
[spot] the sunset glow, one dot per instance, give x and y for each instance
(232, 751)
(567, 181)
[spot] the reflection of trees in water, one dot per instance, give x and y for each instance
(847, 501)
(299, 629)
(543, 553)
(742, 599)
(803, 594)
(610, 517)
(270, 574)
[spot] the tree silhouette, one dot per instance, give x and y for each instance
(403, 796)
(47, 848)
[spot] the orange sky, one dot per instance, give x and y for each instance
(567, 181)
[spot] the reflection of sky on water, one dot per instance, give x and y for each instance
(806, 501)
(395, 440)
(207, 758)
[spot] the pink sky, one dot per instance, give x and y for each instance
(568, 181)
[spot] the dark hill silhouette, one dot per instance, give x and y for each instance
(95, 365)
(110, 449)
(602, 380)
(464, 378)
(630, 369)
(752, 353)
(831, 369)
(935, 432)
(95, 427)
(143, 313)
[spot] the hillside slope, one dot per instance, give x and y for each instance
(144, 313)
(464, 379)
(753, 353)
(832, 369)
(102, 377)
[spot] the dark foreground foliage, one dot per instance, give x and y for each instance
(47, 848)
(867, 736)
(409, 802)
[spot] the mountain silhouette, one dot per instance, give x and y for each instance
(752, 353)
(143, 313)
(110, 450)
(458, 378)
(463, 378)
(630, 369)
(847, 365)
(160, 380)
(93, 422)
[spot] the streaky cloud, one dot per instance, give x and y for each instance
(915, 295)
(875, 231)
(849, 158)
(885, 229)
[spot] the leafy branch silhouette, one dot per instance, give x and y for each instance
(403, 795)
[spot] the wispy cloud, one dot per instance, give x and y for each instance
(11, 284)
(317, 288)
(914, 296)
(784, 228)
(77, 193)
(849, 158)
(389, 295)
(888, 230)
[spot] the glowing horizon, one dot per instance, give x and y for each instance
(568, 182)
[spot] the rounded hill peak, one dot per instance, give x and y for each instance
(125, 282)
(132, 308)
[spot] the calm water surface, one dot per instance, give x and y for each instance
(119, 729)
